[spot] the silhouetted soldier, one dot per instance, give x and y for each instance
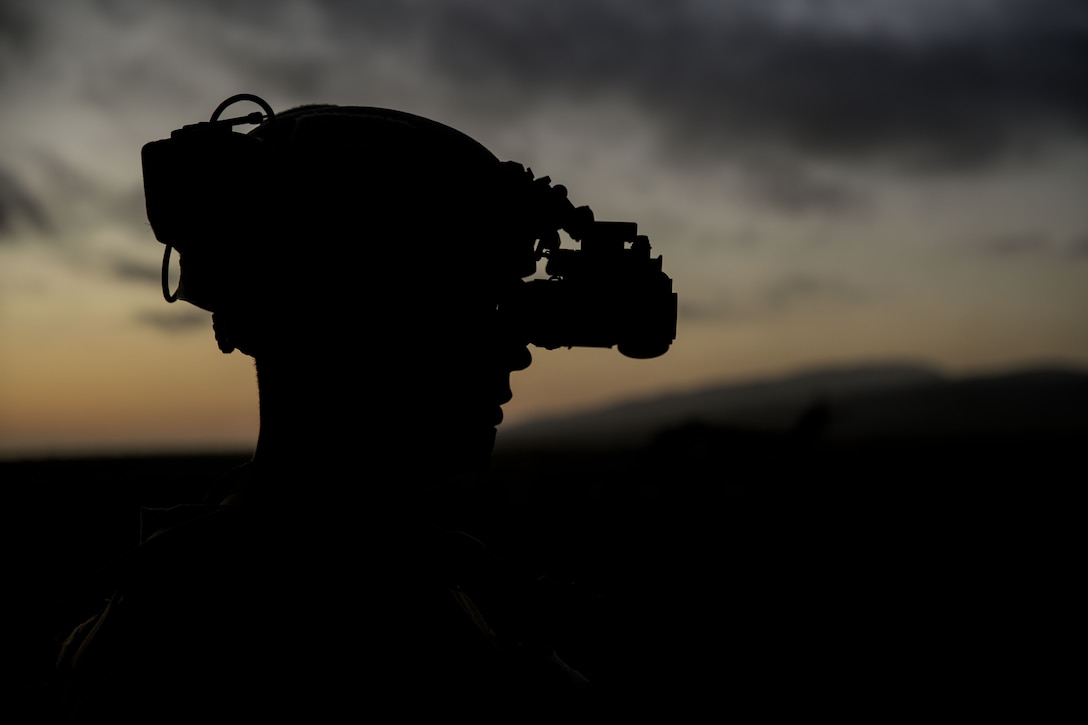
(372, 264)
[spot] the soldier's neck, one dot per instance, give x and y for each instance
(325, 419)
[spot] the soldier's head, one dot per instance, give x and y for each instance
(377, 258)
(357, 252)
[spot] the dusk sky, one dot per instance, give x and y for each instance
(829, 183)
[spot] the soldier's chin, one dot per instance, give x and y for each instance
(479, 457)
(465, 451)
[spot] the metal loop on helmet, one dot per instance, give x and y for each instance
(170, 297)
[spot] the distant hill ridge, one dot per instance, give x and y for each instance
(881, 399)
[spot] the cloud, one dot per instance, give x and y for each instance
(703, 309)
(787, 186)
(928, 84)
(175, 320)
(1018, 243)
(20, 207)
(50, 195)
(1034, 243)
(946, 89)
(784, 293)
(923, 84)
(949, 101)
(133, 271)
(1079, 247)
(805, 288)
(17, 28)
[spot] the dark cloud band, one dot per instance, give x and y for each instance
(927, 84)
(720, 81)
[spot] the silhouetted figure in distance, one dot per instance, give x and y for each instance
(364, 258)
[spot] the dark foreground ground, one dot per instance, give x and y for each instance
(743, 572)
